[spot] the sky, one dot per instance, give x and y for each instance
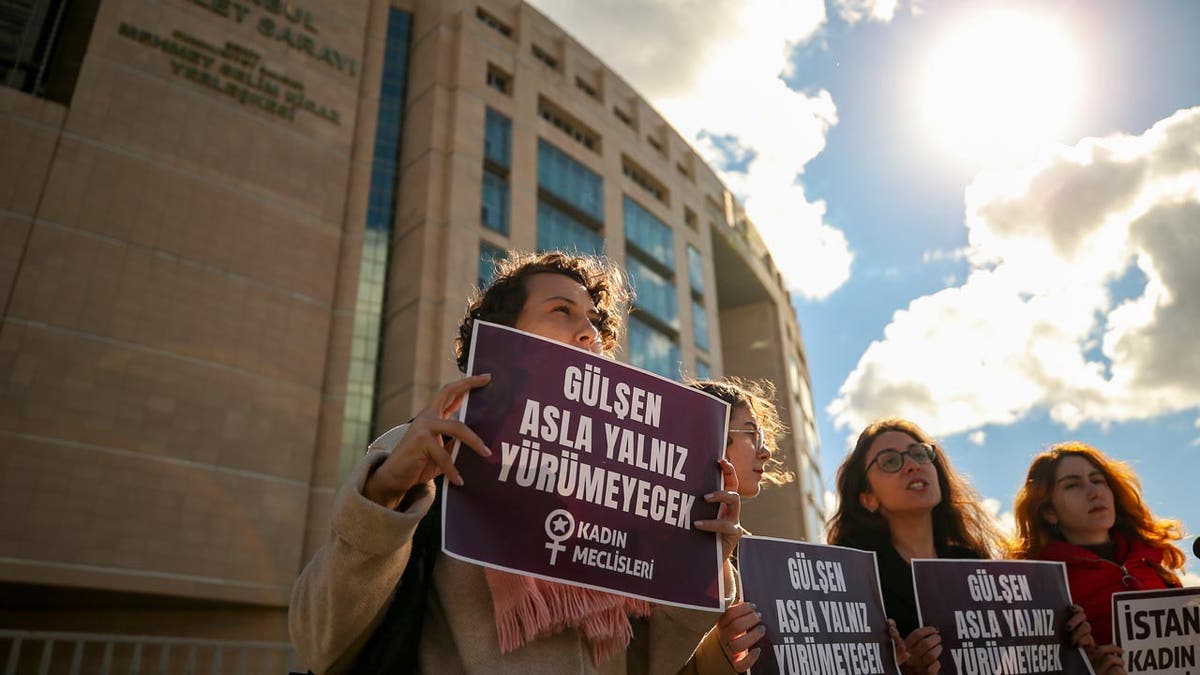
(987, 213)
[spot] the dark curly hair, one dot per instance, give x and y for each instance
(958, 521)
(502, 301)
(759, 398)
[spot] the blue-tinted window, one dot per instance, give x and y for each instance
(570, 181)
(652, 349)
(703, 372)
(655, 293)
(494, 203)
(700, 325)
(648, 233)
(559, 231)
(358, 417)
(695, 269)
(497, 138)
(488, 257)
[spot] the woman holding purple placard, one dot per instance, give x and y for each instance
(900, 497)
(1085, 509)
(754, 427)
(379, 596)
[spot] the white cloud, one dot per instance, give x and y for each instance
(714, 67)
(977, 437)
(853, 11)
(938, 255)
(1036, 323)
(1005, 521)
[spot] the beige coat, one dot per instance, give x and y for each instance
(343, 591)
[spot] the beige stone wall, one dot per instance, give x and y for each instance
(164, 355)
(180, 263)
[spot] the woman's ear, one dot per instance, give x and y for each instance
(869, 501)
(1050, 515)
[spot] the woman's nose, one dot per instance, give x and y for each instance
(588, 336)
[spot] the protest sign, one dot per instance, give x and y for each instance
(598, 471)
(1159, 630)
(998, 617)
(821, 606)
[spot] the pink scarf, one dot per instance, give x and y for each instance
(527, 608)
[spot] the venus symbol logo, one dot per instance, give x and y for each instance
(560, 525)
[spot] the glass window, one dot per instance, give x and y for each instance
(703, 372)
(497, 138)
(695, 269)
(494, 204)
(570, 181)
(648, 233)
(559, 231)
(700, 325)
(488, 257)
(655, 293)
(652, 350)
(358, 416)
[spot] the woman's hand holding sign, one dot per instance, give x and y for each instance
(1108, 660)
(424, 452)
(1105, 660)
(924, 646)
(738, 629)
(728, 523)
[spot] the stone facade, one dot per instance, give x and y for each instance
(180, 253)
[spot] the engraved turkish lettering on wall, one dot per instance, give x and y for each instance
(233, 64)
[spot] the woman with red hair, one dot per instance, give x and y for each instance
(1085, 509)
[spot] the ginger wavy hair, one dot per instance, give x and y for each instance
(502, 301)
(759, 398)
(1133, 518)
(958, 521)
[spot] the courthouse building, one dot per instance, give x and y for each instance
(236, 239)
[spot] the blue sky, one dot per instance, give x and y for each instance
(1005, 295)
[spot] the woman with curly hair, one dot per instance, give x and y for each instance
(1085, 509)
(380, 596)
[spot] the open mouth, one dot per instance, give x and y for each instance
(918, 484)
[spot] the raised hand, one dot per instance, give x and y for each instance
(424, 452)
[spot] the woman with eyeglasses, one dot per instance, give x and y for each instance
(1085, 509)
(900, 497)
(754, 427)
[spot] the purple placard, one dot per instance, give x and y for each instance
(598, 471)
(821, 606)
(1159, 630)
(998, 616)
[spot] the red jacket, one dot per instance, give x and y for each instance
(1093, 579)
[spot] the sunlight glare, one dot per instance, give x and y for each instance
(1000, 87)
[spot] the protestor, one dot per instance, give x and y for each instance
(900, 497)
(754, 429)
(1085, 509)
(753, 440)
(380, 596)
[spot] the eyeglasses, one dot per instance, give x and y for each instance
(891, 461)
(759, 440)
